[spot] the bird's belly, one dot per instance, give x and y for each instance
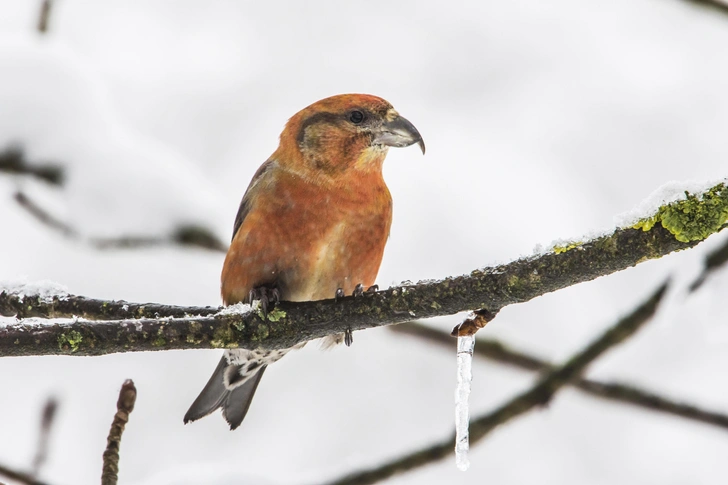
(347, 255)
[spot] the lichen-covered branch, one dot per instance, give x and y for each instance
(124, 407)
(70, 306)
(614, 391)
(539, 395)
(680, 225)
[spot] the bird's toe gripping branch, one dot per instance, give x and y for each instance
(266, 296)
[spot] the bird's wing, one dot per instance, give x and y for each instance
(245, 204)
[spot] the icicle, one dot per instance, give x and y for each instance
(466, 345)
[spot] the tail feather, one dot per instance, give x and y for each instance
(234, 402)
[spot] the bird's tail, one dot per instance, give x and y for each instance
(234, 401)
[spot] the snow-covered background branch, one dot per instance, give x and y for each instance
(540, 122)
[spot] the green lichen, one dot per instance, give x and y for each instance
(72, 339)
(224, 338)
(276, 315)
(692, 219)
(567, 247)
(160, 341)
(263, 332)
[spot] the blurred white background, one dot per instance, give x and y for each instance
(543, 120)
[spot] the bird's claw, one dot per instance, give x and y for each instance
(265, 296)
(360, 291)
(339, 293)
(348, 337)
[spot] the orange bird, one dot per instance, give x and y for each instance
(312, 225)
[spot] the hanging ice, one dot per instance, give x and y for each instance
(462, 394)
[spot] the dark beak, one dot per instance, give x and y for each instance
(399, 133)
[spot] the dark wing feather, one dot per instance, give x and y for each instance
(245, 203)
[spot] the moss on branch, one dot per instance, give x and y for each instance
(169, 327)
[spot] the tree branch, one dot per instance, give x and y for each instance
(538, 395)
(622, 393)
(13, 161)
(124, 406)
(20, 477)
(183, 235)
(717, 5)
(689, 222)
(713, 261)
(46, 423)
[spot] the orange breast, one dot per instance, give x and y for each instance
(309, 237)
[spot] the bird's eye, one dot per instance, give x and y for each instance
(356, 117)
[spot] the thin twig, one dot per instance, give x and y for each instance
(538, 395)
(124, 406)
(713, 261)
(717, 5)
(19, 477)
(615, 391)
(46, 424)
(44, 17)
(43, 216)
(12, 160)
(184, 235)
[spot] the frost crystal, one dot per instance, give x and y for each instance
(466, 345)
(239, 308)
(46, 290)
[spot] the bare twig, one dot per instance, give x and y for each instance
(717, 5)
(538, 395)
(19, 477)
(713, 261)
(124, 406)
(618, 392)
(46, 423)
(44, 17)
(43, 216)
(184, 235)
(12, 160)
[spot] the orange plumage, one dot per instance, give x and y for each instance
(314, 220)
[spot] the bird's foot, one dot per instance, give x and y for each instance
(266, 296)
(360, 291)
(339, 293)
(348, 337)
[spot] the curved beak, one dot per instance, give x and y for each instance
(398, 132)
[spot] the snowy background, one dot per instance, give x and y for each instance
(543, 120)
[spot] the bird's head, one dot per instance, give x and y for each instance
(343, 132)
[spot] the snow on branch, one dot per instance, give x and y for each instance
(677, 225)
(539, 395)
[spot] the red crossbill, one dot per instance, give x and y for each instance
(312, 225)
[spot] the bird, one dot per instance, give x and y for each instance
(312, 225)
